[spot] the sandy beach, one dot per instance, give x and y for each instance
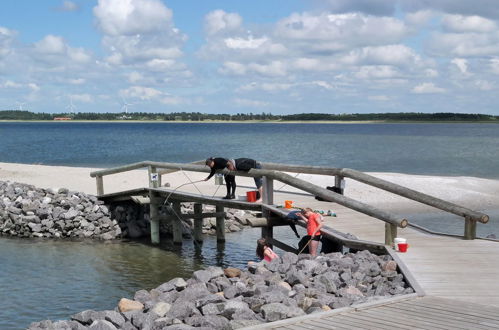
(474, 193)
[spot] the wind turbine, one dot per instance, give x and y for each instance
(71, 107)
(125, 106)
(20, 105)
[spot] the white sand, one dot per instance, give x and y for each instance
(475, 193)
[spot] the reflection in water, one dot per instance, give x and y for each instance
(53, 279)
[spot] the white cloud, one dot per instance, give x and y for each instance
(250, 103)
(494, 65)
(219, 21)
(173, 100)
(240, 43)
(85, 98)
(379, 98)
(484, 85)
(77, 81)
(132, 17)
(460, 23)
(427, 88)
(464, 44)
(52, 45)
(461, 63)
(69, 6)
(141, 92)
(268, 87)
(419, 18)
(377, 72)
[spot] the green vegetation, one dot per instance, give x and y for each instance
(197, 116)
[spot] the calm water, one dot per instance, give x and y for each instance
(42, 279)
(440, 149)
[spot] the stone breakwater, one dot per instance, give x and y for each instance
(216, 298)
(27, 211)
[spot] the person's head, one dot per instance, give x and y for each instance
(260, 247)
(307, 211)
(210, 162)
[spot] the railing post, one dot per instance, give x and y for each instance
(267, 198)
(339, 184)
(390, 233)
(153, 177)
(469, 228)
(198, 223)
(100, 185)
(220, 224)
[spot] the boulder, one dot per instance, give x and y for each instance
(126, 305)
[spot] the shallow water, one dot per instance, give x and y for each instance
(53, 279)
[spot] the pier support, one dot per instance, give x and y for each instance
(176, 223)
(469, 228)
(198, 223)
(153, 206)
(220, 224)
(100, 185)
(390, 233)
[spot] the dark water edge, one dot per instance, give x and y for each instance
(54, 279)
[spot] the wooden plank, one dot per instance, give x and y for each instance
(450, 317)
(455, 309)
(281, 245)
(396, 321)
(198, 223)
(359, 323)
(402, 318)
(329, 323)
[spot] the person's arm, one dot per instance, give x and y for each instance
(302, 216)
(212, 172)
(319, 223)
(268, 252)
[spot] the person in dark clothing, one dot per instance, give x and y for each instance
(238, 164)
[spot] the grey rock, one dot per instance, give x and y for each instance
(115, 318)
(207, 274)
(102, 325)
(161, 308)
(183, 309)
(274, 312)
(209, 321)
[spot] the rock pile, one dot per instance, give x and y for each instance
(27, 211)
(214, 298)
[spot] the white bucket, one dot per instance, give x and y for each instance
(398, 240)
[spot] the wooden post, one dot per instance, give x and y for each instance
(100, 185)
(220, 225)
(176, 223)
(153, 177)
(267, 198)
(390, 233)
(469, 228)
(154, 217)
(198, 223)
(339, 184)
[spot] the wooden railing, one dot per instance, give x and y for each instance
(272, 171)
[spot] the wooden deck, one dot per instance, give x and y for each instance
(446, 267)
(416, 313)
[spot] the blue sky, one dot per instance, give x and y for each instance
(232, 56)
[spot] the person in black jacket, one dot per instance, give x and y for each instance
(238, 164)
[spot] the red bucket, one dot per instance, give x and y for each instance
(251, 196)
(403, 247)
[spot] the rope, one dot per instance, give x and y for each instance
(284, 185)
(194, 183)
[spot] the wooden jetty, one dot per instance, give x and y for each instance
(455, 278)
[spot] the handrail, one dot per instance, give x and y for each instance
(384, 185)
(283, 177)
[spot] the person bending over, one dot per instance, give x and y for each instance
(314, 225)
(238, 164)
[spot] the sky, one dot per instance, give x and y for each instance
(239, 56)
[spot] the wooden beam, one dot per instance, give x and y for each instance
(281, 245)
(154, 220)
(469, 228)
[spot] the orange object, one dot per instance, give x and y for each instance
(403, 247)
(251, 196)
(288, 204)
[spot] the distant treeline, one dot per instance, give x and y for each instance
(197, 116)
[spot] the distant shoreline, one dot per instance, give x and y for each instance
(262, 121)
